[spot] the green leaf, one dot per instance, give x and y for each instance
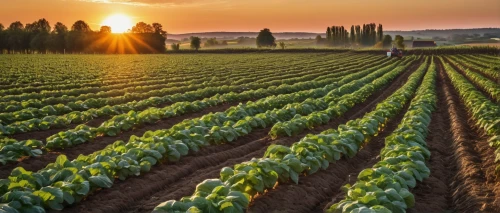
(208, 185)
(101, 181)
(294, 176)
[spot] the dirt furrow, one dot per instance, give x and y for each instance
(475, 69)
(317, 192)
(462, 72)
(37, 163)
(462, 170)
(434, 193)
(175, 180)
(472, 191)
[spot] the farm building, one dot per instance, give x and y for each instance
(423, 43)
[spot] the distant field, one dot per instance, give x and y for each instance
(483, 44)
(293, 43)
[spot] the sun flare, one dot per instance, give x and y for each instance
(119, 23)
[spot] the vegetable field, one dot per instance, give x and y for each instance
(268, 132)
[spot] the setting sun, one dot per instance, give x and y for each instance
(119, 23)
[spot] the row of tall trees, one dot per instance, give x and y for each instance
(366, 35)
(337, 35)
(40, 37)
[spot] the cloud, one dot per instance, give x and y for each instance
(172, 3)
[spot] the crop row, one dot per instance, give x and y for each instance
(82, 133)
(385, 187)
(38, 100)
(77, 178)
(483, 112)
(486, 59)
(134, 157)
(21, 94)
(82, 93)
(299, 123)
(72, 89)
(80, 117)
(236, 186)
(115, 125)
(485, 84)
(493, 73)
(90, 102)
(47, 71)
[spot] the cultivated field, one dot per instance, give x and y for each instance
(269, 132)
(484, 44)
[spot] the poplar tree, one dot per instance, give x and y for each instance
(328, 35)
(353, 37)
(380, 33)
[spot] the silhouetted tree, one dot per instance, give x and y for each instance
(328, 34)
(15, 37)
(266, 39)
(105, 29)
(211, 42)
(60, 28)
(195, 43)
(41, 25)
(353, 35)
(367, 34)
(334, 35)
(380, 32)
(399, 41)
(38, 37)
(282, 45)
(81, 26)
(319, 40)
(78, 38)
(387, 41)
(175, 47)
(2, 38)
(358, 34)
(158, 29)
(342, 35)
(142, 27)
(40, 42)
(57, 41)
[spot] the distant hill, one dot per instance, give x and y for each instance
(234, 35)
(443, 33)
(307, 35)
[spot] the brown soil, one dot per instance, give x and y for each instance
(41, 135)
(314, 193)
(175, 180)
(462, 178)
(317, 192)
(44, 134)
(473, 184)
(37, 163)
(434, 193)
(34, 164)
(462, 72)
(474, 68)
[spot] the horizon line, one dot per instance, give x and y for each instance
(324, 32)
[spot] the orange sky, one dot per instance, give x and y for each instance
(181, 16)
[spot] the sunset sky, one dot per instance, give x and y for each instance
(182, 16)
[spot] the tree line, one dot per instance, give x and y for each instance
(40, 37)
(365, 35)
(265, 38)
